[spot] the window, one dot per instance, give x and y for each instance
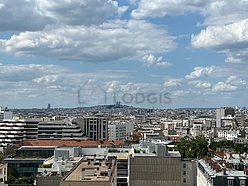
(184, 172)
(184, 180)
(184, 165)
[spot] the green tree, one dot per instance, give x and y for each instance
(192, 147)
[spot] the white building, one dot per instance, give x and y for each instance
(224, 113)
(120, 131)
(60, 130)
(228, 134)
(3, 174)
(5, 114)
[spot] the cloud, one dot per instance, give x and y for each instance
(164, 64)
(231, 39)
(224, 12)
(234, 80)
(215, 12)
(108, 42)
(77, 12)
(160, 8)
(150, 60)
(20, 15)
(200, 84)
(171, 82)
(202, 72)
(27, 72)
(222, 86)
(23, 15)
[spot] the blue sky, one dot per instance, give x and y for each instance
(145, 53)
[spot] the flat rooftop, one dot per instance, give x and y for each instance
(89, 170)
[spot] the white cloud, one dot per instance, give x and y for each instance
(150, 60)
(222, 86)
(202, 72)
(37, 14)
(160, 8)
(111, 41)
(234, 80)
(78, 12)
(179, 93)
(231, 39)
(219, 12)
(164, 64)
(171, 82)
(21, 15)
(216, 12)
(200, 84)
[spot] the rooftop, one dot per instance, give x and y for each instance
(92, 170)
(72, 143)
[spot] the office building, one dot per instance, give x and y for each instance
(5, 114)
(224, 169)
(120, 131)
(224, 114)
(60, 129)
(155, 168)
(16, 130)
(91, 171)
(3, 174)
(96, 128)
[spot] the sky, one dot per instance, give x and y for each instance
(143, 53)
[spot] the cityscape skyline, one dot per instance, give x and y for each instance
(184, 54)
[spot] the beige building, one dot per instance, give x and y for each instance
(157, 169)
(92, 171)
(3, 173)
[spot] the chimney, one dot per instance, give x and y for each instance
(83, 174)
(109, 171)
(98, 171)
(94, 158)
(224, 171)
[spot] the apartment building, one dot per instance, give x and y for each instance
(3, 174)
(224, 169)
(92, 171)
(224, 116)
(120, 131)
(96, 128)
(16, 130)
(5, 114)
(60, 129)
(155, 168)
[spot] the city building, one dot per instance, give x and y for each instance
(224, 169)
(96, 128)
(120, 131)
(3, 174)
(13, 131)
(5, 114)
(224, 116)
(60, 129)
(155, 167)
(91, 171)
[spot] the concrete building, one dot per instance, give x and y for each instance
(155, 169)
(120, 131)
(224, 113)
(189, 170)
(223, 170)
(96, 128)
(3, 174)
(92, 171)
(11, 132)
(5, 114)
(16, 130)
(60, 129)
